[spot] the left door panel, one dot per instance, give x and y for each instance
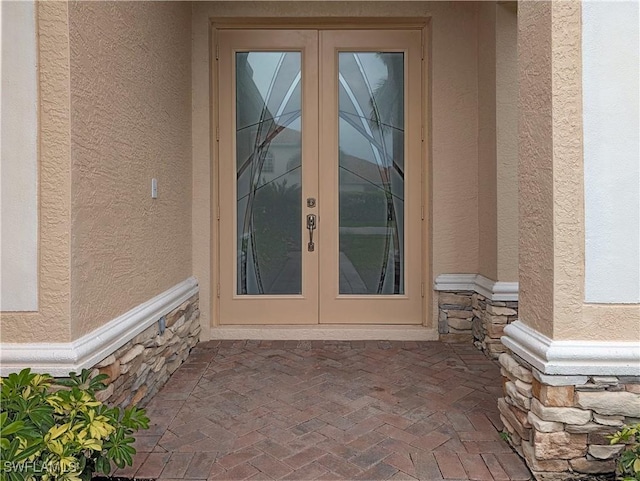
(267, 165)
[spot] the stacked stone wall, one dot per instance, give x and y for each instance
(469, 316)
(559, 424)
(455, 316)
(489, 320)
(140, 368)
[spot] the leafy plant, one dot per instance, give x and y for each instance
(629, 460)
(56, 430)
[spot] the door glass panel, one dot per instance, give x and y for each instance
(268, 167)
(371, 177)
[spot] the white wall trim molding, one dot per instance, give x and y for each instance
(326, 332)
(565, 358)
(58, 359)
(494, 290)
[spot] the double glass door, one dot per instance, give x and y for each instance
(319, 168)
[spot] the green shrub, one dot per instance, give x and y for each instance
(629, 460)
(55, 429)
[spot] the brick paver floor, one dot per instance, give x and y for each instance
(328, 410)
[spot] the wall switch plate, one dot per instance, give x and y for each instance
(154, 188)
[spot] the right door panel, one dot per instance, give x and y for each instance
(370, 177)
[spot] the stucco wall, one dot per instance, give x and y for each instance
(568, 171)
(130, 122)
(535, 166)
(487, 149)
(551, 194)
(498, 141)
(19, 158)
(507, 139)
(610, 43)
(551, 180)
(453, 122)
(51, 321)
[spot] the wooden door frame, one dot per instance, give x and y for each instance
(429, 311)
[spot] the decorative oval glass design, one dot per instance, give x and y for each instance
(268, 167)
(371, 178)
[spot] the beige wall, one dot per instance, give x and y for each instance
(535, 166)
(551, 181)
(498, 141)
(507, 139)
(130, 122)
(115, 97)
(51, 321)
(487, 166)
(453, 123)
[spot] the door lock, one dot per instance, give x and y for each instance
(311, 226)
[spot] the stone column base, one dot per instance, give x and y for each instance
(559, 423)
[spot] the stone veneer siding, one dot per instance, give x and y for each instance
(140, 368)
(467, 315)
(559, 424)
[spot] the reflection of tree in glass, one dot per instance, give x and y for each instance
(276, 228)
(387, 102)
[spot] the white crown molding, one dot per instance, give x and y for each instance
(496, 291)
(60, 358)
(566, 358)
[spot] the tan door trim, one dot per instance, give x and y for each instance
(422, 26)
(320, 23)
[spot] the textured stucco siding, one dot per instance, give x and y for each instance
(487, 148)
(568, 170)
(454, 129)
(51, 321)
(130, 122)
(507, 140)
(536, 262)
(611, 43)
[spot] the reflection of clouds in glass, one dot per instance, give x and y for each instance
(371, 104)
(264, 66)
(374, 67)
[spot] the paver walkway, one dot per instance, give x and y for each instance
(328, 410)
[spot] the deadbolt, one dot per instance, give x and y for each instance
(311, 202)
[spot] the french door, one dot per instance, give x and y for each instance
(319, 168)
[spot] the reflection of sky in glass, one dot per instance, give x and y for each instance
(374, 66)
(264, 65)
(352, 142)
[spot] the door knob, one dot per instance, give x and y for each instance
(311, 226)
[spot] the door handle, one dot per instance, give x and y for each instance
(311, 226)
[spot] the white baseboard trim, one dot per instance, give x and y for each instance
(563, 358)
(496, 291)
(325, 333)
(60, 358)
